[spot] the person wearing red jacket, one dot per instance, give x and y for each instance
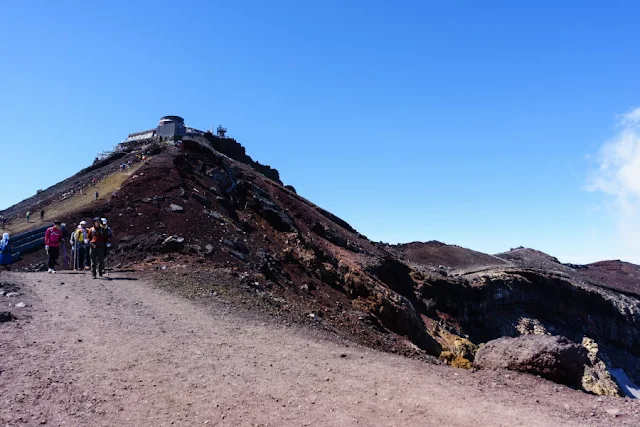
(52, 241)
(98, 239)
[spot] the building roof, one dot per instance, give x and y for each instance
(172, 119)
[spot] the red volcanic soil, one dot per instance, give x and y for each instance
(618, 275)
(435, 254)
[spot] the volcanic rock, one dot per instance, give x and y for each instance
(238, 255)
(553, 357)
(176, 208)
(173, 244)
(209, 249)
(291, 188)
(273, 214)
(214, 214)
(597, 379)
(6, 316)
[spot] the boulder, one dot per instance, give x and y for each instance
(330, 234)
(173, 244)
(209, 249)
(555, 358)
(278, 219)
(274, 215)
(176, 208)
(6, 316)
(291, 188)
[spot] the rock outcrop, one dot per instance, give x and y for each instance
(553, 357)
(597, 378)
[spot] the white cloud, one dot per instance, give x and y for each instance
(631, 119)
(617, 175)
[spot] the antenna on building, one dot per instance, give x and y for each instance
(221, 132)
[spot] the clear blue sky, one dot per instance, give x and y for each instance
(473, 123)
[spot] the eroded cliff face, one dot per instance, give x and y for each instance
(516, 301)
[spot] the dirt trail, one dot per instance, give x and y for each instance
(122, 352)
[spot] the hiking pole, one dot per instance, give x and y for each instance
(75, 254)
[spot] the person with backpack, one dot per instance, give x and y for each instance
(52, 241)
(42, 215)
(28, 215)
(98, 240)
(109, 233)
(6, 249)
(80, 246)
(107, 248)
(97, 195)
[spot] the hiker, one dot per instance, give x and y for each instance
(65, 235)
(107, 248)
(6, 249)
(108, 230)
(98, 240)
(28, 215)
(97, 195)
(52, 240)
(42, 215)
(106, 227)
(80, 246)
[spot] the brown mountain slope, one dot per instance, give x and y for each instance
(618, 275)
(205, 224)
(435, 254)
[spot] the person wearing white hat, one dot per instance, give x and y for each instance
(109, 236)
(79, 246)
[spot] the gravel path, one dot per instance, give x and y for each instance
(124, 353)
